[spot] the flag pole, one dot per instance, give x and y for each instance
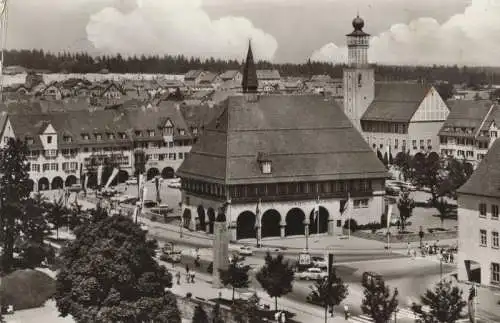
(317, 218)
(349, 215)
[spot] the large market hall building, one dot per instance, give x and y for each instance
(291, 152)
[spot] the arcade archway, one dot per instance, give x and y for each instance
(186, 218)
(43, 184)
(295, 222)
(211, 220)
(57, 183)
(245, 225)
(271, 220)
(152, 172)
(323, 221)
(201, 218)
(168, 172)
(70, 181)
(122, 176)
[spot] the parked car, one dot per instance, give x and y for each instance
(131, 181)
(405, 186)
(162, 209)
(391, 189)
(319, 262)
(312, 274)
(171, 256)
(245, 251)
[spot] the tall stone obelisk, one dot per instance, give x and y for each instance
(220, 245)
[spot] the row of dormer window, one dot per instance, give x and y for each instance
(110, 136)
(470, 131)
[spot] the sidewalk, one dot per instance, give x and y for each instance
(202, 288)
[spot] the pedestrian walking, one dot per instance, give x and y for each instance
(178, 276)
(346, 312)
(187, 269)
(188, 278)
(283, 317)
(408, 249)
(192, 277)
(451, 257)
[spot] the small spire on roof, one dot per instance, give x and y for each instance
(249, 83)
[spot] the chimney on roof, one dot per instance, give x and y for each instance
(249, 83)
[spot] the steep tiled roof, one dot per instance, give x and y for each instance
(485, 181)
(305, 137)
(193, 74)
(396, 101)
(104, 122)
(208, 77)
(268, 75)
(229, 75)
(467, 114)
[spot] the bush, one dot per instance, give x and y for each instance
(353, 225)
(189, 295)
(33, 254)
(154, 218)
(373, 226)
(26, 289)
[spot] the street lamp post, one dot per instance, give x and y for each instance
(441, 267)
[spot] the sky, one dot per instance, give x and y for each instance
(424, 32)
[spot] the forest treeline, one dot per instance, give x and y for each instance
(85, 63)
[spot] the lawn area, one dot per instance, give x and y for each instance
(44, 314)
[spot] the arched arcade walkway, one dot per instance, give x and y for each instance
(168, 172)
(245, 225)
(43, 184)
(152, 172)
(57, 183)
(323, 221)
(271, 224)
(201, 218)
(295, 222)
(211, 220)
(70, 180)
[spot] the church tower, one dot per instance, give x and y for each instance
(359, 77)
(249, 83)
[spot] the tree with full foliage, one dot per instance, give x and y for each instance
(330, 291)
(445, 90)
(403, 162)
(445, 301)
(109, 274)
(247, 311)
(377, 301)
(444, 208)
(428, 172)
(235, 275)
(458, 172)
(216, 316)
(405, 206)
(276, 277)
(200, 316)
(33, 227)
(57, 214)
(15, 188)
